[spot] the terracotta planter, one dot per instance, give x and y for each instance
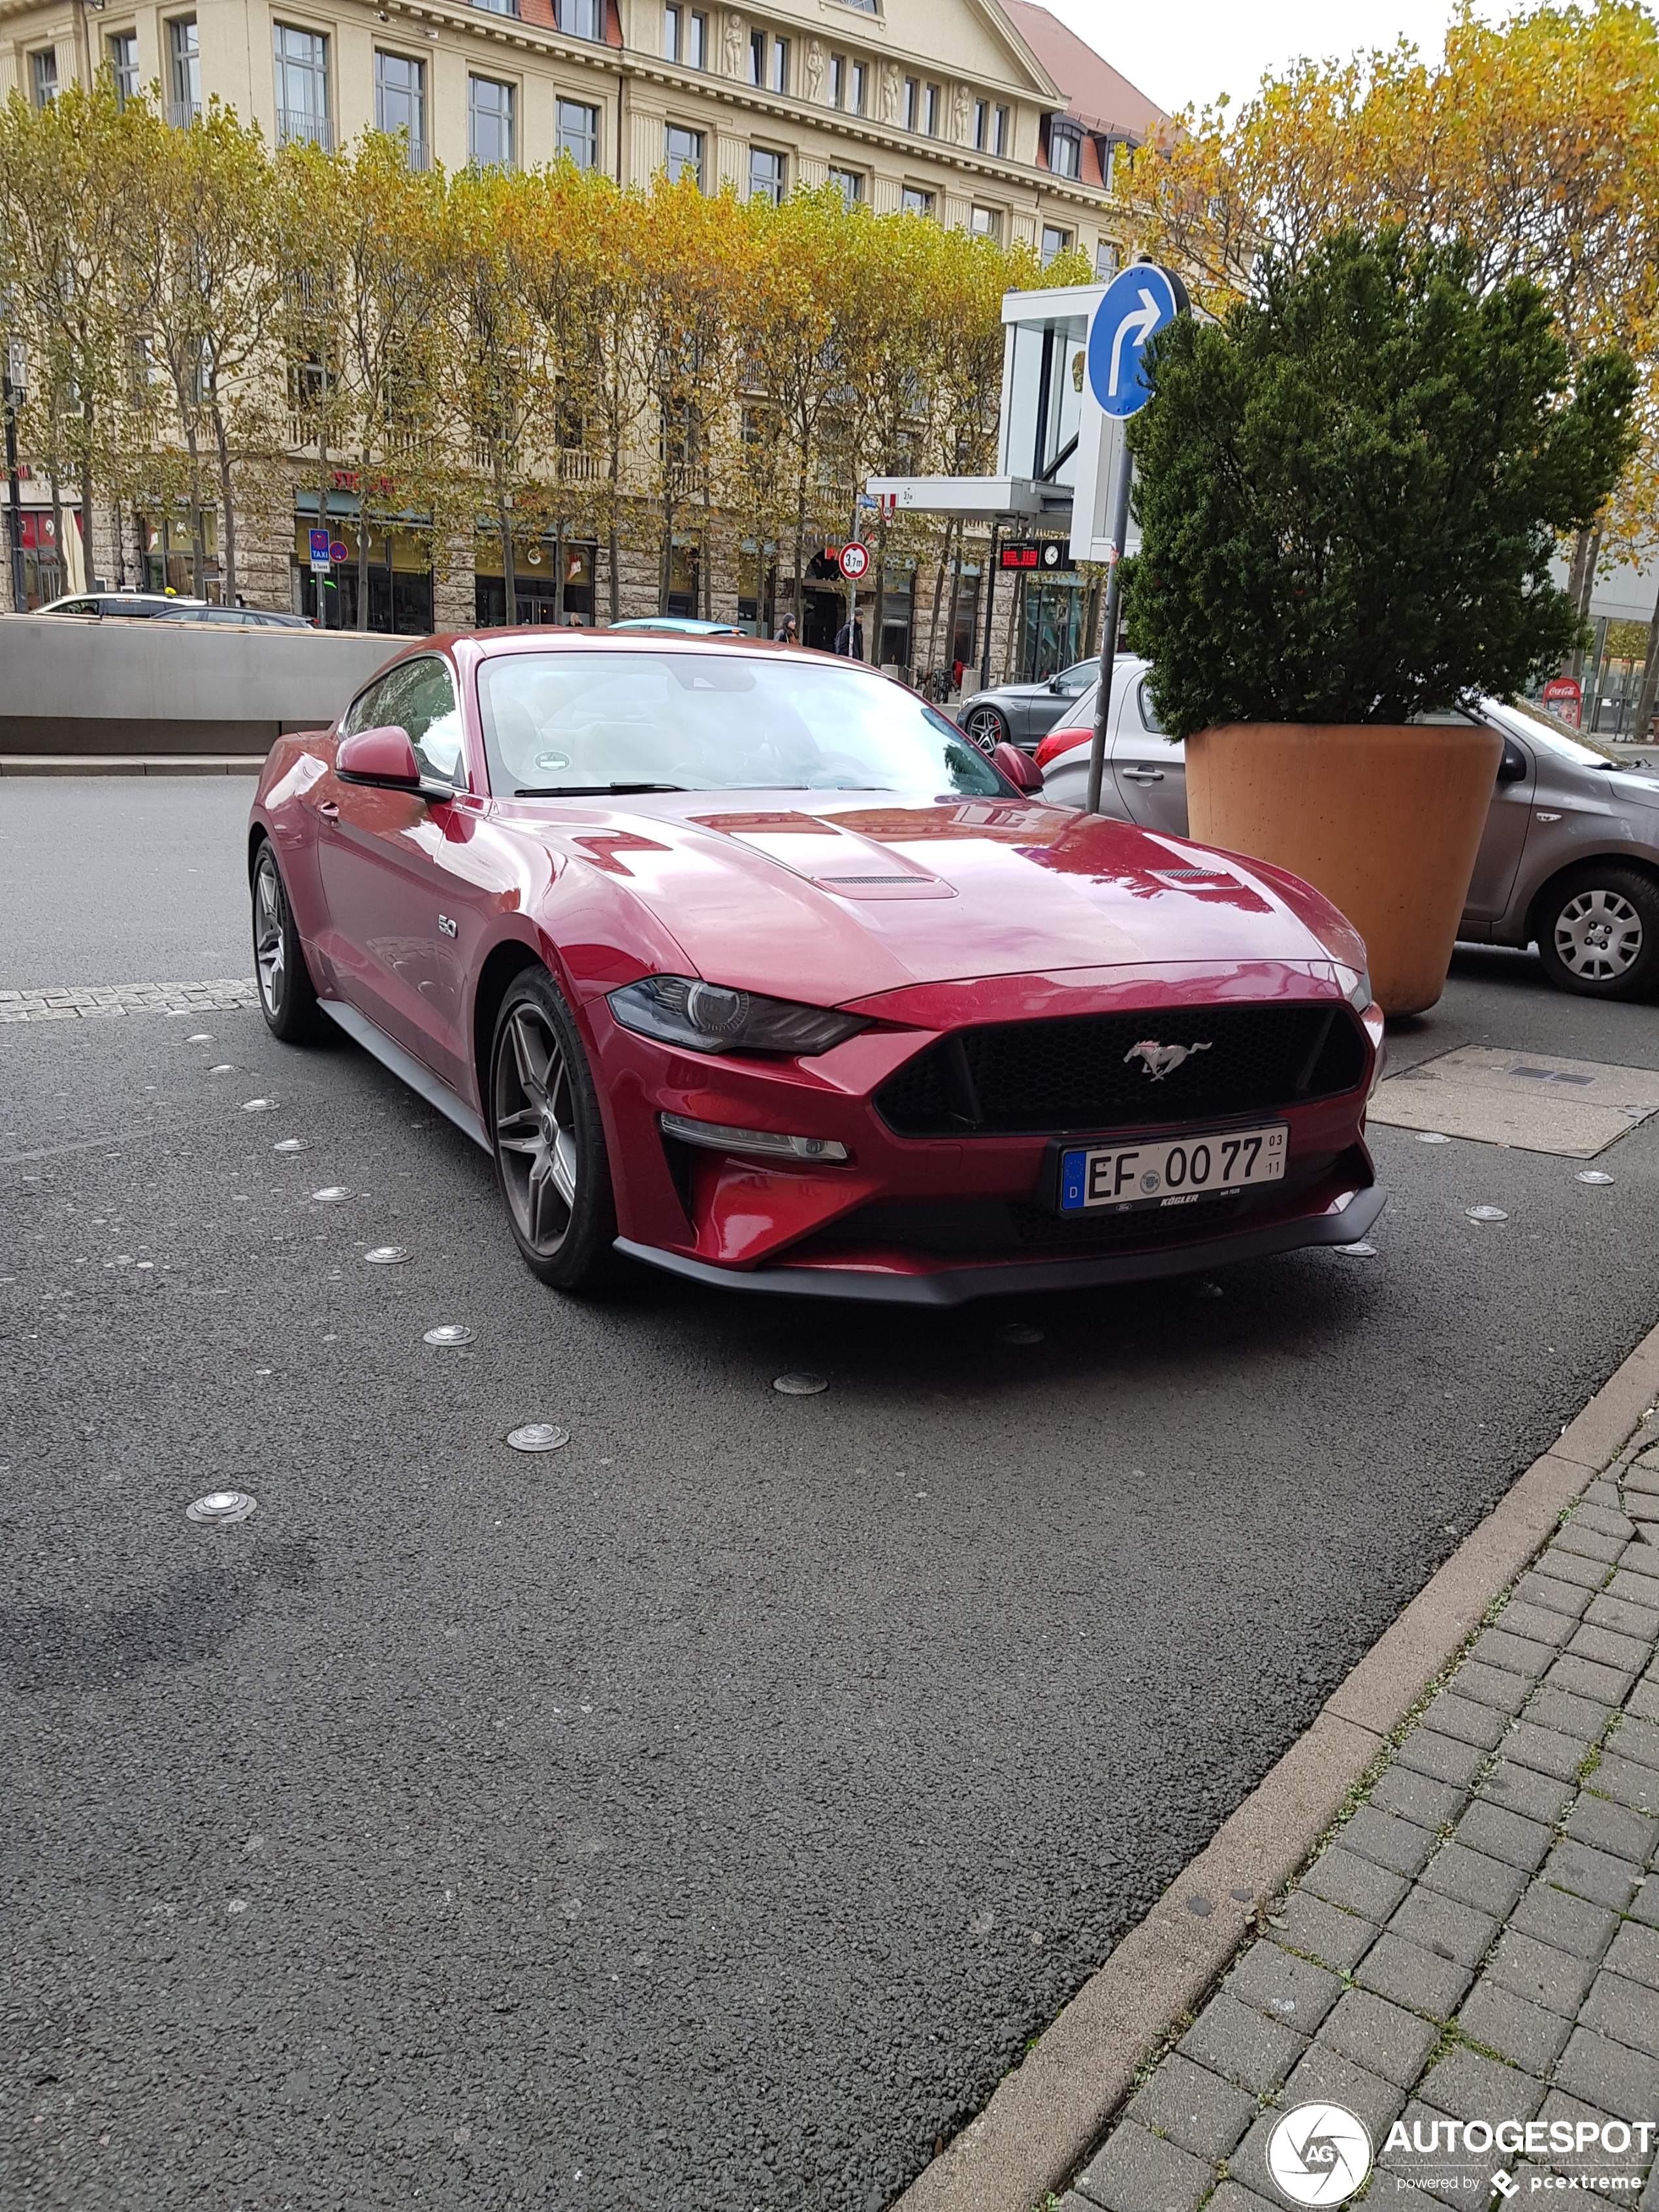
(1385, 820)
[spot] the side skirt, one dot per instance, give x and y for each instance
(404, 1065)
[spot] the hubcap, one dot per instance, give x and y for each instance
(985, 729)
(268, 947)
(1598, 935)
(536, 1129)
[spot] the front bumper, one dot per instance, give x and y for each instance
(1344, 1224)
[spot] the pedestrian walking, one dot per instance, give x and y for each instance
(785, 633)
(849, 640)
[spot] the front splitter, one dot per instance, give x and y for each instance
(955, 1287)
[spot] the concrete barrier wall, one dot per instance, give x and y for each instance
(72, 685)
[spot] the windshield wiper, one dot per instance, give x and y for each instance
(590, 790)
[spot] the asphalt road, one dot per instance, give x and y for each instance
(705, 1814)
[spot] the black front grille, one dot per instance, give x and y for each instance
(1040, 1079)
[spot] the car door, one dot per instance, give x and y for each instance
(1505, 837)
(1149, 771)
(1046, 708)
(394, 873)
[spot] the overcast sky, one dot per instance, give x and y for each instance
(1182, 51)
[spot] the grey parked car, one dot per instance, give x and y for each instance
(1022, 713)
(1570, 859)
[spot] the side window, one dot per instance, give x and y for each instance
(1076, 681)
(419, 695)
(362, 714)
(1149, 713)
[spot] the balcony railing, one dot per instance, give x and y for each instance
(576, 467)
(296, 126)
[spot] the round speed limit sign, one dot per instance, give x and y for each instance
(854, 561)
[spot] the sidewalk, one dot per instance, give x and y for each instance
(1477, 1940)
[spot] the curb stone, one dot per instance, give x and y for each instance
(1051, 2111)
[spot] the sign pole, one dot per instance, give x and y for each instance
(1109, 633)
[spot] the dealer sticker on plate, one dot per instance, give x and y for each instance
(1171, 1170)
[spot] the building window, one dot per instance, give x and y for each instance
(914, 201)
(1106, 260)
(864, 6)
(579, 133)
(400, 102)
(497, 7)
(489, 123)
(43, 76)
(683, 152)
(685, 38)
(982, 125)
(758, 58)
(184, 72)
(580, 19)
(124, 65)
(1001, 136)
(302, 87)
(860, 89)
(1054, 243)
(765, 175)
(1065, 148)
(986, 222)
(912, 101)
(780, 64)
(930, 110)
(849, 183)
(837, 80)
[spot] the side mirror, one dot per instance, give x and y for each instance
(1021, 770)
(1512, 768)
(383, 756)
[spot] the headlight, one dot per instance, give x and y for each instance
(708, 1018)
(1356, 984)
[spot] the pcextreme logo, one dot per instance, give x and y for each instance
(1322, 2154)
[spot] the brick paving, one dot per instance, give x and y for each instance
(97, 1002)
(1477, 1939)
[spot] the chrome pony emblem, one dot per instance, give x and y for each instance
(1157, 1060)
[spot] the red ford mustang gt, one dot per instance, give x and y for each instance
(743, 962)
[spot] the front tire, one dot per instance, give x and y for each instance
(288, 998)
(551, 1160)
(1598, 931)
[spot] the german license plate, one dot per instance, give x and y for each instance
(1159, 1171)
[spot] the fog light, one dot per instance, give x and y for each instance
(718, 1137)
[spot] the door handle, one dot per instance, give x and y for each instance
(1145, 774)
(331, 809)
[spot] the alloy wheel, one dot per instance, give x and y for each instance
(269, 938)
(536, 1129)
(985, 726)
(1598, 935)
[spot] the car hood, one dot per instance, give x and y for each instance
(860, 893)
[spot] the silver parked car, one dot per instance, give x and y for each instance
(1022, 713)
(1570, 859)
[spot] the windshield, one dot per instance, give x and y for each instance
(591, 721)
(1530, 721)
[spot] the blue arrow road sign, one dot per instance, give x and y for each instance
(1140, 299)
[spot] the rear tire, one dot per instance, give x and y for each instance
(288, 997)
(1598, 931)
(551, 1160)
(989, 728)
